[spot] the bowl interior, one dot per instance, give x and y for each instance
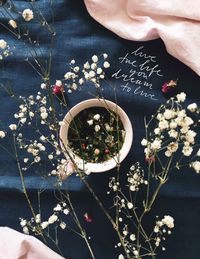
(108, 164)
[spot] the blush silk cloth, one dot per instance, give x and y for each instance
(14, 245)
(177, 23)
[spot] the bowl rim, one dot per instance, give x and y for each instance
(108, 164)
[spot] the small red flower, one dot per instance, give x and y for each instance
(84, 146)
(169, 86)
(87, 217)
(58, 89)
(150, 159)
(107, 151)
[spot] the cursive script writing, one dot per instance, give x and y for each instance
(141, 68)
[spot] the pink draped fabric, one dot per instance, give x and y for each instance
(176, 22)
(14, 245)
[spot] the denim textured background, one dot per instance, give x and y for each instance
(79, 37)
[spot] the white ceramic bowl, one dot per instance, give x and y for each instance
(109, 164)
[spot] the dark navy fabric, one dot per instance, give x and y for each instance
(79, 37)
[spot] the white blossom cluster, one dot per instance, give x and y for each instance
(92, 71)
(32, 116)
(135, 177)
(4, 49)
(175, 130)
(37, 225)
(129, 241)
(2, 134)
(27, 14)
(162, 228)
(32, 106)
(63, 169)
(113, 184)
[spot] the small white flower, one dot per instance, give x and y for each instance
(86, 65)
(187, 150)
(99, 70)
(95, 58)
(53, 218)
(168, 221)
(130, 205)
(3, 44)
(23, 222)
(38, 218)
(13, 24)
(97, 128)
(43, 86)
(74, 86)
(2, 134)
(13, 127)
(198, 152)
(91, 74)
(97, 117)
(190, 136)
(168, 114)
(25, 230)
(107, 126)
(105, 56)
(50, 157)
(135, 253)
(163, 124)
(172, 147)
(58, 208)
(168, 153)
(23, 120)
(132, 237)
(37, 159)
(62, 225)
(81, 81)
(26, 160)
(173, 124)
(31, 114)
(173, 134)
(58, 82)
(125, 232)
(144, 142)
(181, 97)
(157, 131)
(196, 166)
(156, 229)
(44, 224)
(42, 138)
(66, 211)
(76, 69)
(27, 15)
(93, 66)
(192, 107)
(90, 122)
(44, 115)
(120, 256)
(156, 144)
(106, 64)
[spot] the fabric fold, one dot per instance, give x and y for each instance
(177, 23)
(14, 245)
